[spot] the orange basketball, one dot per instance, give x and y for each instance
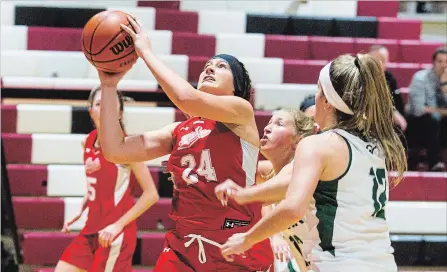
(106, 45)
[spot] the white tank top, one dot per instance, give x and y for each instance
(351, 230)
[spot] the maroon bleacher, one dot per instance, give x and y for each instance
(48, 213)
(18, 147)
(9, 118)
(418, 51)
(39, 212)
(377, 8)
(160, 4)
(28, 179)
(31, 179)
(45, 248)
(328, 48)
(174, 20)
(191, 44)
(287, 47)
(302, 71)
(54, 38)
(395, 28)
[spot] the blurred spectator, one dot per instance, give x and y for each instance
(381, 54)
(427, 110)
(308, 105)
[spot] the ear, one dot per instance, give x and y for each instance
(327, 106)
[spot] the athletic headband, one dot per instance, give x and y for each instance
(240, 80)
(329, 92)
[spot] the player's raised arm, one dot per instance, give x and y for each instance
(120, 149)
(227, 108)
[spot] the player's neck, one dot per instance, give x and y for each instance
(329, 122)
(278, 160)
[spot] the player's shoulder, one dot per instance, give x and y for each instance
(321, 144)
(90, 139)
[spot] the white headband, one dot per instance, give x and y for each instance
(329, 92)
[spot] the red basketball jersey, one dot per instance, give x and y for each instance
(205, 154)
(109, 188)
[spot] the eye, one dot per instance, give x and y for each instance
(206, 66)
(280, 123)
(222, 65)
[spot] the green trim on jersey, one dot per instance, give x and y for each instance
(325, 196)
(379, 178)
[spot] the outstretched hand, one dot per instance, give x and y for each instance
(237, 244)
(228, 190)
(139, 36)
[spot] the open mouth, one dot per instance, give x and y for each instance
(208, 79)
(264, 139)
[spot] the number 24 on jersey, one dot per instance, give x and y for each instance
(205, 168)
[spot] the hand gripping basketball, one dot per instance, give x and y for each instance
(139, 36)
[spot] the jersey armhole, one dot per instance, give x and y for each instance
(349, 162)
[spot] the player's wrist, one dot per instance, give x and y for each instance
(243, 196)
(250, 238)
(146, 53)
(120, 223)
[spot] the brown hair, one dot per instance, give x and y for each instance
(304, 126)
(121, 99)
(361, 83)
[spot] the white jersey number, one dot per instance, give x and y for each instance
(205, 168)
(379, 191)
(91, 192)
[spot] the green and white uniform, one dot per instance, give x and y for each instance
(352, 233)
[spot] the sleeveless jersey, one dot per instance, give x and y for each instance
(206, 153)
(109, 188)
(353, 234)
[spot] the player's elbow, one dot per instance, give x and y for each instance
(186, 101)
(113, 155)
(151, 197)
(294, 211)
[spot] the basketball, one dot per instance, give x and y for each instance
(106, 45)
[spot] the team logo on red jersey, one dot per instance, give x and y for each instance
(92, 165)
(189, 139)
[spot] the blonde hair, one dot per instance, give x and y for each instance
(304, 126)
(361, 84)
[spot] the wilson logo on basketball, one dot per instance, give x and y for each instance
(121, 45)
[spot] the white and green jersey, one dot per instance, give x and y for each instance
(353, 234)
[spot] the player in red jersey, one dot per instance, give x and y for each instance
(107, 241)
(219, 141)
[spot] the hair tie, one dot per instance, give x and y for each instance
(357, 62)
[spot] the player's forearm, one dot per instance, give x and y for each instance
(282, 217)
(271, 191)
(84, 203)
(146, 200)
(176, 88)
(111, 134)
(266, 209)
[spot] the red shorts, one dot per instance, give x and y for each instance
(176, 256)
(85, 252)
